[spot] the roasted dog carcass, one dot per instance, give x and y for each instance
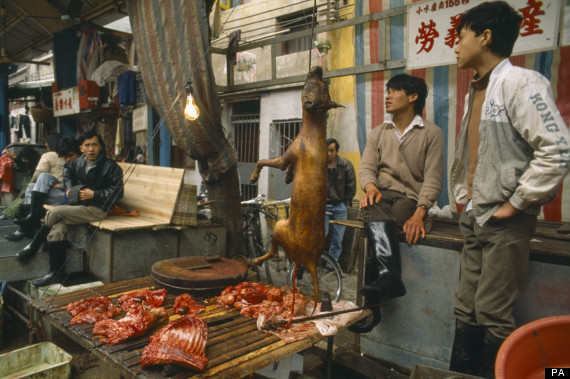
(302, 235)
(91, 310)
(137, 321)
(181, 342)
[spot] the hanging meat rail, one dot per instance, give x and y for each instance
(235, 346)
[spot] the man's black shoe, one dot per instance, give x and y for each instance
(19, 235)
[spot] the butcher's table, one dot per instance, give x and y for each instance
(235, 347)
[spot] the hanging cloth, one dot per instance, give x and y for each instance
(119, 142)
(126, 84)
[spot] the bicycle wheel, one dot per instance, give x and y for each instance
(329, 274)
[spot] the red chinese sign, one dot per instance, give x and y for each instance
(531, 22)
(426, 36)
(433, 25)
(65, 102)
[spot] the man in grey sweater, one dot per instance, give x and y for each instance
(401, 172)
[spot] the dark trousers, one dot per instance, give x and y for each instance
(494, 265)
(393, 206)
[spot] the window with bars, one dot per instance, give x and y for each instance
(246, 139)
(295, 23)
(282, 134)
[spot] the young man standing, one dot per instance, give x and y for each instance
(341, 188)
(98, 181)
(512, 153)
(401, 172)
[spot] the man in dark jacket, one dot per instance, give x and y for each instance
(341, 188)
(94, 183)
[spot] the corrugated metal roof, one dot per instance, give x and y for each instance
(29, 24)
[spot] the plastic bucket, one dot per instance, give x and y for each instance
(533, 347)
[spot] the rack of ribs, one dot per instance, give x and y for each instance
(181, 342)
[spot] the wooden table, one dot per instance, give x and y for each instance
(235, 346)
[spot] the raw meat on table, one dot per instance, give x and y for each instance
(186, 306)
(91, 310)
(181, 342)
(150, 298)
(135, 323)
(249, 292)
(268, 301)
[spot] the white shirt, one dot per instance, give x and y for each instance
(401, 136)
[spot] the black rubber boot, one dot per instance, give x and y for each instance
(23, 211)
(366, 325)
(30, 250)
(383, 240)
(467, 351)
(36, 210)
(24, 231)
(57, 260)
(491, 347)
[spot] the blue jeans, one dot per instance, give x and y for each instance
(335, 212)
(55, 196)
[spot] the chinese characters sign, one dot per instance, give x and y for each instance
(65, 102)
(432, 37)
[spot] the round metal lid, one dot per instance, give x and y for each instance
(198, 273)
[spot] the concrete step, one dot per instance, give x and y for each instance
(10, 248)
(13, 270)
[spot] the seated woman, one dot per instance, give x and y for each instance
(48, 187)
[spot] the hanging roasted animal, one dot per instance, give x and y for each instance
(302, 235)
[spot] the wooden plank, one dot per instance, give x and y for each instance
(223, 328)
(229, 333)
(235, 346)
(216, 370)
(151, 190)
(123, 223)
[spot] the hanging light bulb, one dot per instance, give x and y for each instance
(191, 111)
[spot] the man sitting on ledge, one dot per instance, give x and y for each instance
(94, 183)
(401, 172)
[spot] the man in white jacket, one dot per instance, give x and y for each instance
(512, 152)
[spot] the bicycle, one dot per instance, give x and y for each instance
(251, 210)
(328, 270)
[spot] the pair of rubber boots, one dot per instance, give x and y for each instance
(31, 221)
(474, 351)
(57, 256)
(383, 275)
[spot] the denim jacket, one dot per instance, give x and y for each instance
(524, 148)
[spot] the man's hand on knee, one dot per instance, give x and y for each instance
(371, 197)
(414, 227)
